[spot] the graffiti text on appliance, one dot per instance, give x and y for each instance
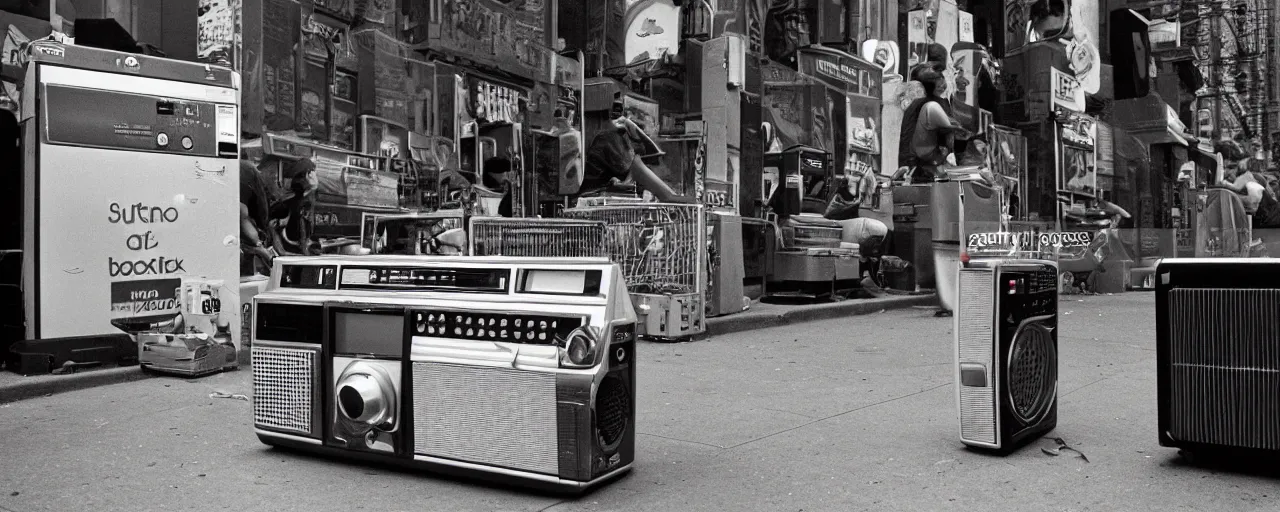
(141, 213)
(152, 266)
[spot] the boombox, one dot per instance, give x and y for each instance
(1218, 354)
(513, 369)
(1007, 352)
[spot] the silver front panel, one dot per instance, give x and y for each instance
(1224, 375)
(975, 344)
(486, 415)
(283, 388)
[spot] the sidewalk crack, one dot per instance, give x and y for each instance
(839, 414)
(680, 440)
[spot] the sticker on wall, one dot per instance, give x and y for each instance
(884, 54)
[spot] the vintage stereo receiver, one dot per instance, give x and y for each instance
(1218, 354)
(1007, 352)
(514, 369)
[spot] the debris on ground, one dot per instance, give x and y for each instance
(220, 394)
(1062, 445)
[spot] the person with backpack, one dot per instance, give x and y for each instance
(928, 131)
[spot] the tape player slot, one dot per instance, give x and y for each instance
(529, 329)
(290, 323)
(425, 279)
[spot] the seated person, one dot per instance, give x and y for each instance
(495, 177)
(258, 246)
(928, 135)
(612, 161)
(1259, 201)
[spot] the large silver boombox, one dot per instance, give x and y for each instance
(515, 369)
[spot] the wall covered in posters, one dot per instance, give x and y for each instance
(280, 40)
(216, 31)
(510, 35)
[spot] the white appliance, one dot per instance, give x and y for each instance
(131, 182)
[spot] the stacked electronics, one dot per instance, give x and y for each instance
(1218, 354)
(512, 369)
(662, 250)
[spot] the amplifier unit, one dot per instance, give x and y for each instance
(1218, 353)
(1007, 352)
(512, 369)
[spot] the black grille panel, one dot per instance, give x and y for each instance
(512, 328)
(1224, 367)
(1032, 373)
(613, 410)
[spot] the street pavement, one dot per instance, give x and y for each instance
(846, 414)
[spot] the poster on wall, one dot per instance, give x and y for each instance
(917, 41)
(215, 31)
(280, 41)
(1066, 91)
(652, 29)
(884, 54)
(1078, 168)
(509, 36)
(786, 116)
(897, 97)
(391, 84)
(1007, 153)
(1079, 172)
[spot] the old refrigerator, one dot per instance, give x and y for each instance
(131, 188)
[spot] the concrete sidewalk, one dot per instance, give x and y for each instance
(14, 387)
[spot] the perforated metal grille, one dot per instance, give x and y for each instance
(282, 388)
(1224, 351)
(613, 410)
(1032, 372)
(493, 416)
(565, 238)
(976, 338)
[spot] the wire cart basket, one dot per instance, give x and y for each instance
(662, 250)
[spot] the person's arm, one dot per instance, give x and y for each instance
(646, 178)
(1238, 186)
(936, 119)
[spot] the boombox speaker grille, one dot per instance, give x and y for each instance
(1032, 374)
(494, 416)
(613, 410)
(975, 335)
(1224, 348)
(282, 390)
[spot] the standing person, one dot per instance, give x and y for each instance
(928, 135)
(611, 161)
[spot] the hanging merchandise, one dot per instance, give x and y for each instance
(1078, 175)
